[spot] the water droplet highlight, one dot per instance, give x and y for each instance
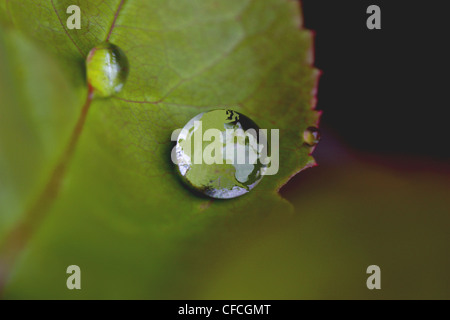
(107, 69)
(218, 154)
(311, 136)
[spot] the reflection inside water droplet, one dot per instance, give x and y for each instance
(311, 136)
(218, 154)
(107, 69)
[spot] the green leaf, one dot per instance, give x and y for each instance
(90, 182)
(39, 108)
(349, 216)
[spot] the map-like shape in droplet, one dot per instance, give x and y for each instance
(107, 69)
(232, 173)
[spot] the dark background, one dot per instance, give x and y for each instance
(382, 91)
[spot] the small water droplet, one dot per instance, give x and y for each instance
(226, 162)
(311, 136)
(107, 69)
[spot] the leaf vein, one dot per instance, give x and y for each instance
(65, 30)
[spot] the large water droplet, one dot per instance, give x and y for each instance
(107, 69)
(311, 136)
(219, 153)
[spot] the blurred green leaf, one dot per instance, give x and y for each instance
(121, 214)
(38, 110)
(347, 217)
